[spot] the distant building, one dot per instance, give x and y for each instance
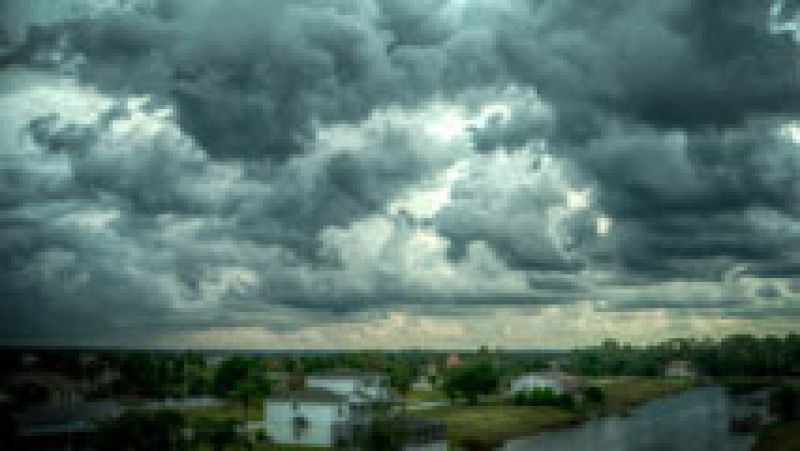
(428, 376)
(679, 368)
(454, 360)
(556, 381)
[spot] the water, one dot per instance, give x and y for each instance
(694, 420)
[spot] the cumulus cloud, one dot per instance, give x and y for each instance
(172, 166)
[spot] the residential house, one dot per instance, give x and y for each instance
(556, 381)
(679, 368)
(427, 379)
(327, 410)
(336, 409)
(310, 417)
(357, 386)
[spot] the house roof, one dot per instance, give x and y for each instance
(345, 374)
(309, 395)
(567, 380)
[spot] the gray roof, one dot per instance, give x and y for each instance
(309, 395)
(346, 374)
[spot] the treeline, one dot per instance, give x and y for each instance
(735, 355)
(174, 374)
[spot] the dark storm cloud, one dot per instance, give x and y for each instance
(249, 78)
(668, 112)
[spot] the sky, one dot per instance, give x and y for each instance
(397, 173)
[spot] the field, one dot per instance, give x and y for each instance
(489, 423)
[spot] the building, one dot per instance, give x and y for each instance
(336, 410)
(357, 386)
(427, 379)
(453, 360)
(556, 381)
(311, 417)
(679, 368)
(332, 405)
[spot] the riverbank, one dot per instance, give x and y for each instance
(624, 393)
(494, 423)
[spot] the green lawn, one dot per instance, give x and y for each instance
(624, 392)
(497, 422)
(262, 447)
(425, 396)
(232, 411)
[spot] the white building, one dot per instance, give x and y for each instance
(426, 381)
(556, 381)
(679, 368)
(310, 417)
(325, 412)
(368, 387)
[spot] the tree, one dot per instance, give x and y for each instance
(242, 380)
(215, 432)
(401, 377)
(254, 386)
(471, 381)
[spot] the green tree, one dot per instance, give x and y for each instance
(245, 391)
(469, 382)
(243, 380)
(401, 377)
(216, 432)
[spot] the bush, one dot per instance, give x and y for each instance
(471, 381)
(594, 394)
(543, 397)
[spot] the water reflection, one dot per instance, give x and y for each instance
(694, 420)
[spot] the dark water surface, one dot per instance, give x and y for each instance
(693, 420)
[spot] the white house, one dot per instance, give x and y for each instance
(556, 381)
(426, 380)
(679, 368)
(311, 417)
(326, 412)
(369, 387)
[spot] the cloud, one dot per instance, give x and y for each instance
(180, 166)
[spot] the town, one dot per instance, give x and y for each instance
(375, 400)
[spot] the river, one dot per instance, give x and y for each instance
(695, 420)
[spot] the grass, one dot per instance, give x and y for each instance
(231, 411)
(779, 437)
(425, 396)
(498, 422)
(493, 423)
(264, 447)
(626, 392)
